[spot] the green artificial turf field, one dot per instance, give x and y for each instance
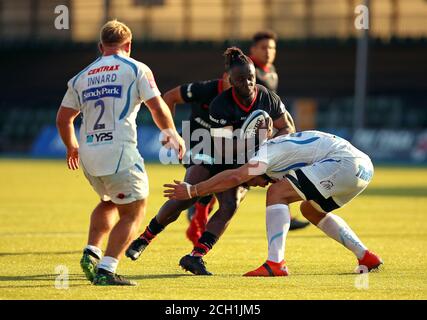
(45, 209)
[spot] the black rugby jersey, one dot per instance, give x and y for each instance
(200, 95)
(267, 77)
(225, 110)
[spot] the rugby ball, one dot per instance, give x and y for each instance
(253, 122)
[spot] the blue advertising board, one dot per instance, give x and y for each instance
(407, 146)
(48, 144)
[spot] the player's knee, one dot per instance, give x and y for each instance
(276, 194)
(229, 207)
(132, 212)
(305, 210)
(311, 213)
(101, 227)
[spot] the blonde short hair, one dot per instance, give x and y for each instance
(115, 33)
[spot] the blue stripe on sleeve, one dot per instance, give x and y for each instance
(295, 141)
(126, 108)
(131, 64)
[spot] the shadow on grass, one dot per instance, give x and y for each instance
(46, 233)
(324, 274)
(72, 279)
(41, 277)
(44, 286)
(418, 192)
(159, 276)
(38, 253)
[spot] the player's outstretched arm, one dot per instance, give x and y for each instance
(163, 119)
(172, 98)
(222, 181)
(64, 122)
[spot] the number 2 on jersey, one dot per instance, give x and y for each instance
(99, 126)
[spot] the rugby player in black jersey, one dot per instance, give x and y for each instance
(228, 111)
(199, 95)
(263, 54)
(238, 103)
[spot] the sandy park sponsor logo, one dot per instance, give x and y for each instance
(101, 92)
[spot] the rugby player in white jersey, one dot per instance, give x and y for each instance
(322, 170)
(108, 94)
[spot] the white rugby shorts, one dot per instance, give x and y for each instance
(123, 187)
(332, 183)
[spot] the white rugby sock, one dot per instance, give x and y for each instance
(109, 264)
(278, 220)
(336, 228)
(95, 250)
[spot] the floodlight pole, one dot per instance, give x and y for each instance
(107, 10)
(361, 76)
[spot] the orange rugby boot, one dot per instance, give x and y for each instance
(370, 261)
(269, 269)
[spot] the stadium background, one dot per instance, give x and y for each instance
(44, 208)
(183, 41)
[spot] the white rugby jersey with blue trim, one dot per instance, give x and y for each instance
(108, 93)
(297, 150)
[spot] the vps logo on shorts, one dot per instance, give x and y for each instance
(99, 137)
(101, 92)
